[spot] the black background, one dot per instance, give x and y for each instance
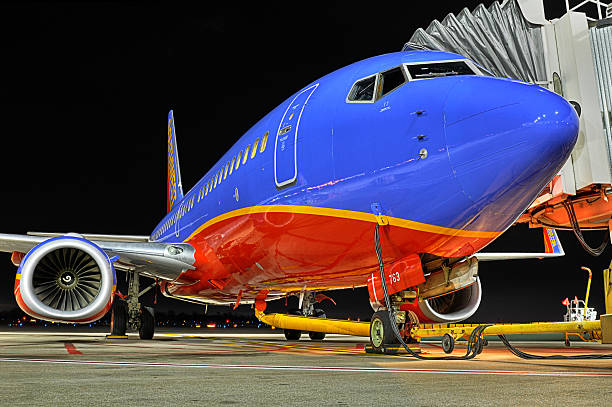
(87, 87)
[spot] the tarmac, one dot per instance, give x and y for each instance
(46, 367)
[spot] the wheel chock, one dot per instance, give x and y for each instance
(116, 336)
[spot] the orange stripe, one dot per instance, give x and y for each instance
(342, 213)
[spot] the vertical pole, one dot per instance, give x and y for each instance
(586, 299)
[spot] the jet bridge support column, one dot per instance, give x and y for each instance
(607, 278)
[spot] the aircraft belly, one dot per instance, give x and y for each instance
(295, 247)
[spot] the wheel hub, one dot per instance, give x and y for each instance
(377, 333)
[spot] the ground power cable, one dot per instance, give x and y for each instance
(571, 215)
(524, 355)
(475, 341)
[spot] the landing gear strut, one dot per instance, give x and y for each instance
(131, 314)
(307, 303)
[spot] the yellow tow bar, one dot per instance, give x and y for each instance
(356, 328)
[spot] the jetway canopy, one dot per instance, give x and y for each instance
(499, 38)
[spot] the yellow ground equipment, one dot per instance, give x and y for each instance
(450, 332)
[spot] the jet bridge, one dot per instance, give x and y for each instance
(570, 55)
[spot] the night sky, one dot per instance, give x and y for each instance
(86, 91)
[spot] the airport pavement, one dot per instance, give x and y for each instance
(227, 367)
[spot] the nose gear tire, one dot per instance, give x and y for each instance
(381, 331)
(147, 323)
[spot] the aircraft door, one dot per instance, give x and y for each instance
(285, 145)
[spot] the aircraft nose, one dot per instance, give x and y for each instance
(506, 139)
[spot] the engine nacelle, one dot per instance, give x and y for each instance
(455, 306)
(66, 279)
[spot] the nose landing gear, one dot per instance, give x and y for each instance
(308, 301)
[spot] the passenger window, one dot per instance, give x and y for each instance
(246, 154)
(254, 151)
(264, 141)
(438, 69)
(238, 160)
(363, 90)
(232, 165)
(391, 80)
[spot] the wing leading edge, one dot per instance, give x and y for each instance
(166, 261)
(552, 246)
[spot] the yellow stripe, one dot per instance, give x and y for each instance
(18, 276)
(342, 213)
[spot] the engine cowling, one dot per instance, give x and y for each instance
(455, 306)
(66, 279)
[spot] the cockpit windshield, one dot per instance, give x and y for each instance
(438, 69)
(377, 86)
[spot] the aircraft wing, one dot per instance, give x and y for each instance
(130, 253)
(552, 246)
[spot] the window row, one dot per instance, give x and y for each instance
(220, 175)
(185, 207)
(376, 86)
(233, 165)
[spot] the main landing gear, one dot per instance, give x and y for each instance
(308, 310)
(130, 314)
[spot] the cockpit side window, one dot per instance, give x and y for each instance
(363, 90)
(391, 80)
(438, 69)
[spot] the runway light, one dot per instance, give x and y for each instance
(211, 325)
(198, 326)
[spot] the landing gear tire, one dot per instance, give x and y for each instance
(119, 317)
(317, 336)
(448, 343)
(147, 323)
(293, 334)
(381, 332)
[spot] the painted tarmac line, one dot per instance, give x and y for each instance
(71, 349)
(309, 368)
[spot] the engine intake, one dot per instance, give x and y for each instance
(66, 279)
(453, 307)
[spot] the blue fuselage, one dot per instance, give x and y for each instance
(465, 152)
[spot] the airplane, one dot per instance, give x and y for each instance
(425, 146)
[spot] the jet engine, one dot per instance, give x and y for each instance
(452, 307)
(65, 279)
(452, 294)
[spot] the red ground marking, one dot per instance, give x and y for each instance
(72, 349)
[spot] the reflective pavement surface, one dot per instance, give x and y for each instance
(221, 367)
